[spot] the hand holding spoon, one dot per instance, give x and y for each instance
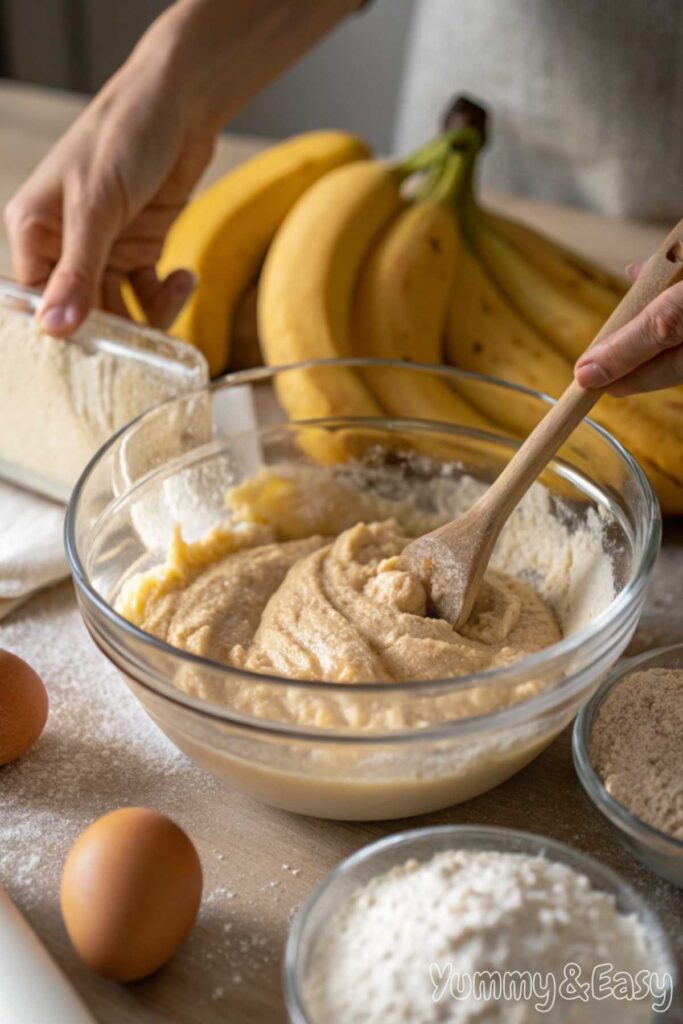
(452, 560)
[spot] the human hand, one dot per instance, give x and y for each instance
(96, 210)
(645, 355)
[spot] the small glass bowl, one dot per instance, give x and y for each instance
(660, 852)
(421, 845)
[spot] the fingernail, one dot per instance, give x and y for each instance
(592, 375)
(53, 319)
(633, 269)
(58, 319)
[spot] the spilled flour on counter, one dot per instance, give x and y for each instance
(100, 751)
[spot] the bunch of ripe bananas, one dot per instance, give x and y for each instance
(339, 256)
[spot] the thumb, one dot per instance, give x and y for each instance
(88, 231)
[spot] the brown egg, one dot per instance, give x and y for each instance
(23, 707)
(131, 888)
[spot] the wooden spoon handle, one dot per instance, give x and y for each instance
(660, 271)
(663, 269)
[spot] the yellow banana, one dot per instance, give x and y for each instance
(560, 314)
(224, 233)
(400, 310)
(595, 287)
(487, 335)
(405, 283)
(307, 282)
(305, 292)
(311, 268)
(651, 442)
(567, 324)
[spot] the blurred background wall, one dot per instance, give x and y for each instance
(351, 81)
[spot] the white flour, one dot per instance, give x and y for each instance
(465, 912)
(562, 556)
(83, 395)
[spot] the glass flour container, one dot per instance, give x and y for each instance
(61, 400)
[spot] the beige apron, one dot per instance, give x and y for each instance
(586, 96)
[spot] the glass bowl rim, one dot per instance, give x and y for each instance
(543, 659)
(615, 812)
(507, 838)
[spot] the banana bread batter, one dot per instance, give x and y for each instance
(302, 581)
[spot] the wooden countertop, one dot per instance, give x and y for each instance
(233, 973)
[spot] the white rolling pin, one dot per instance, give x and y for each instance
(33, 990)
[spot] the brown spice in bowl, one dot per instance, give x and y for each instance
(636, 746)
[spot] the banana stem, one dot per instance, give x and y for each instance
(437, 151)
(466, 205)
(430, 181)
(448, 184)
(426, 157)
(445, 163)
(445, 185)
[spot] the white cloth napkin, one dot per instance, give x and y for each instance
(32, 552)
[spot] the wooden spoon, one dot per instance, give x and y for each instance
(453, 559)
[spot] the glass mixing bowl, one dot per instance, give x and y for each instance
(174, 465)
(315, 914)
(661, 852)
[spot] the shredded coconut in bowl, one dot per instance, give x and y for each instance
(411, 946)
